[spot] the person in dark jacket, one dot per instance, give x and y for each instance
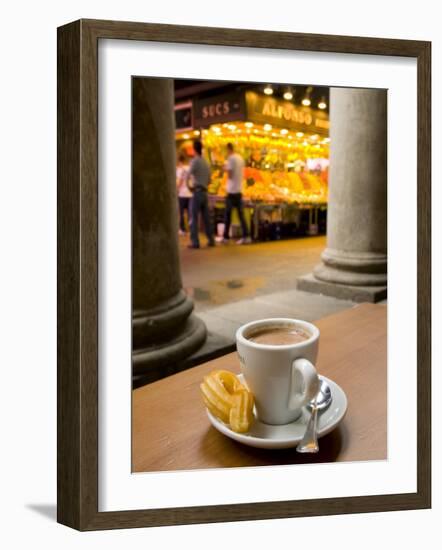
(198, 182)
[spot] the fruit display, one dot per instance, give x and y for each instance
(276, 187)
(287, 187)
(228, 399)
(280, 166)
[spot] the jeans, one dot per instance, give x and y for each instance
(200, 204)
(234, 200)
(183, 203)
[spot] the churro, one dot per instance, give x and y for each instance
(228, 399)
(241, 413)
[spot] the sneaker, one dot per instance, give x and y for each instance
(181, 233)
(222, 240)
(193, 246)
(211, 243)
(244, 240)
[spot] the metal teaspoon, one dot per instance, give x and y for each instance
(309, 443)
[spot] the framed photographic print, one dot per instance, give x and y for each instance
(229, 345)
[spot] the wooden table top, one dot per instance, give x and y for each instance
(171, 431)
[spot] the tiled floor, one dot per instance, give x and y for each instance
(233, 284)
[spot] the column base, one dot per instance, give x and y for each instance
(214, 346)
(373, 294)
(160, 357)
(352, 268)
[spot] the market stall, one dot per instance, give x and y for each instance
(286, 154)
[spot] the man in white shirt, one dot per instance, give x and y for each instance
(235, 173)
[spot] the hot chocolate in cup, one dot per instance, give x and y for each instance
(277, 358)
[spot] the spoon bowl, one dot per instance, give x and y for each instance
(323, 397)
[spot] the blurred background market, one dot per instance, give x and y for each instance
(282, 134)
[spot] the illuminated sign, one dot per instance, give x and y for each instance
(285, 114)
(222, 108)
(258, 108)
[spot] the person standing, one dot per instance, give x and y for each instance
(235, 173)
(198, 180)
(184, 193)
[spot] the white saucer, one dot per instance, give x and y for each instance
(266, 436)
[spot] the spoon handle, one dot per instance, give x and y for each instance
(309, 443)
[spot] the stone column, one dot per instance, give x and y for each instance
(164, 331)
(354, 263)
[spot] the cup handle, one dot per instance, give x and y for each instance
(302, 367)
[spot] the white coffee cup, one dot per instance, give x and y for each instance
(281, 377)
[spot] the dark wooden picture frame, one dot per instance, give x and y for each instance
(77, 386)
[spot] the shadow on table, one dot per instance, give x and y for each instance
(237, 454)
